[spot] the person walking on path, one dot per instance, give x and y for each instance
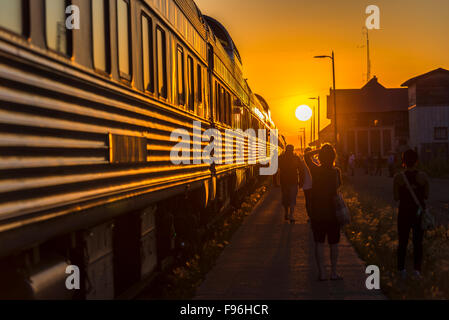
(307, 187)
(326, 180)
(391, 164)
(408, 214)
(291, 178)
(351, 163)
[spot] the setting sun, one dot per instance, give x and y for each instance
(303, 113)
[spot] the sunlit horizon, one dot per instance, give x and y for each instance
(283, 36)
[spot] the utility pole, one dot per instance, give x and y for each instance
(318, 117)
(311, 126)
(335, 101)
(317, 136)
(302, 138)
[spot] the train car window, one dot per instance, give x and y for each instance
(57, 35)
(124, 44)
(228, 106)
(217, 101)
(200, 83)
(147, 53)
(222, 105)
(100, 35)
(161, 62)
(191, 83)
(11, 15)
(225, 108)
(180, 75)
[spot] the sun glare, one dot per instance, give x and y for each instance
(303, 113)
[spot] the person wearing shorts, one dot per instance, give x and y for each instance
(291, 172)
(326, 181)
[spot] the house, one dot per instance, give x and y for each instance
(370, 120)
(429, 114)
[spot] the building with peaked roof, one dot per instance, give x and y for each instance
(370, 120)
(429, 113)
(326, 135)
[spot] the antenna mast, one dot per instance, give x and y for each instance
(368, 60)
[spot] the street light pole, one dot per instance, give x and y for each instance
(318, 115)
(335, 101)
(302, 132)
(314, 123)
(311, 126)
(335, 95)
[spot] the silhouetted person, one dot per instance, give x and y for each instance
(307, 187)
(326, 180)
(391, 164)
(291, 177)
(351, 163)
(408, 218)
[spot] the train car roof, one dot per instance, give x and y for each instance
(263, 102)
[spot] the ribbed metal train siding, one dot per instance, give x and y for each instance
(190, 10)
(54, 136)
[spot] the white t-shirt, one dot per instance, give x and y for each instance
(352, 160)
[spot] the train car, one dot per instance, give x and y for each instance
(87, 115)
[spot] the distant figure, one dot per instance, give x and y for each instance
(391, 164)
(307, 187)
(351, 163)
(378, 165)
(326, 180)
(291, 178)
(408, 210)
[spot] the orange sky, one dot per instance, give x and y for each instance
(277, 40)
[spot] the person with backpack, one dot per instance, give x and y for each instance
(411, 189)
(291, 179)
(326, 180)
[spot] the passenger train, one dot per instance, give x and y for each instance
(86, 116)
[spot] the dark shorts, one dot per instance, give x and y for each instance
(289, 194)
(308, 197)
(323, 229)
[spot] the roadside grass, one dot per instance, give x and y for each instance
(373, 233)
(181, 281)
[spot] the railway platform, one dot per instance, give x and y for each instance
(270, 259)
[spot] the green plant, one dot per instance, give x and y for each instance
(373, 234)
